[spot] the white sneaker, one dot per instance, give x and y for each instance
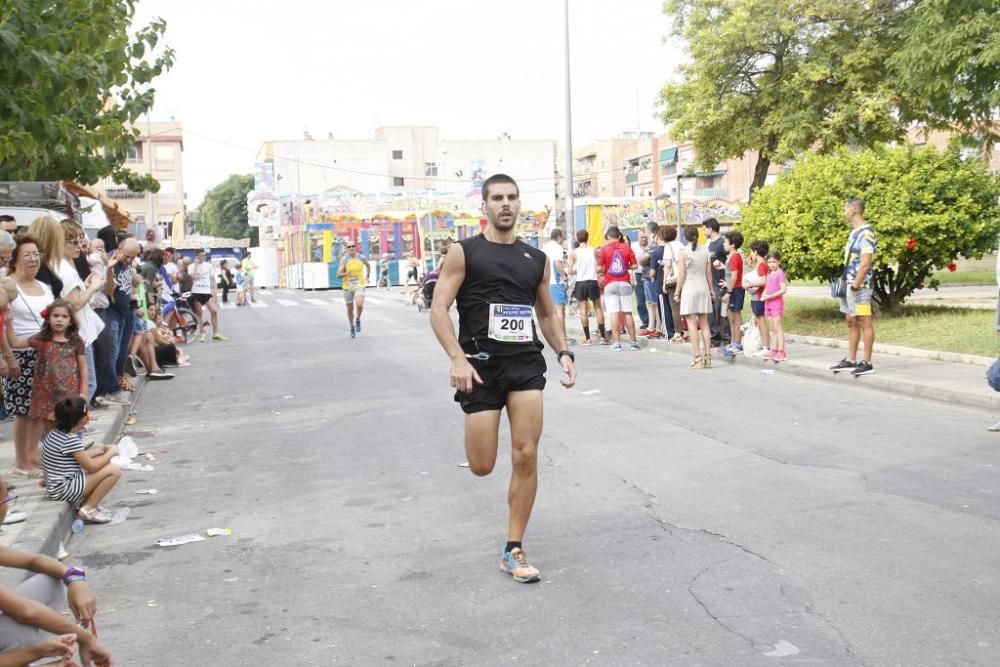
(761, 353)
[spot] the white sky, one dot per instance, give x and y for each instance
(248, 71)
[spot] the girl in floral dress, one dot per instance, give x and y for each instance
(61, 369)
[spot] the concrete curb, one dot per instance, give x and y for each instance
(886, 383)
(897, 350)
(49, 521)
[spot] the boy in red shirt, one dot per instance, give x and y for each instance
(734, 293)
(755, 280)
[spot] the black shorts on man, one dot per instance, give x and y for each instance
(200, 298)
(502, 375)
(587, 290)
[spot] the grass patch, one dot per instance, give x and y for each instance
(966, 277)
(960, 330)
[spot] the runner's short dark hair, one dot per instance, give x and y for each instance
(735, 239)
(760, 247)
(582, 235)
(556, 234)
(857, 203)
(498, 178)
(613, 232)
(712, 224)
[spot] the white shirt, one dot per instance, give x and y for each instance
(201, 276)
(586, 263)
(26, 311)
(554, 251)
(90, 324)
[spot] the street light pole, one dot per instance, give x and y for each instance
(570, 216)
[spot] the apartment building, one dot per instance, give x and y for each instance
(158, 150)
(941, 139)
(413, 159)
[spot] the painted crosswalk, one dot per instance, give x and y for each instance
(297, 300)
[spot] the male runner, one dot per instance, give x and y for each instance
(354, 271)
(496, 360)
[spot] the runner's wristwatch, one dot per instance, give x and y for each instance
(566, 353)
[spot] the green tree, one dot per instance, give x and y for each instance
(947, 67)
(780, 77)
(72, 83)
(223, 211)
(927, 208)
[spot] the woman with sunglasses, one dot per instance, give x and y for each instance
(79, 292)
(30, 299)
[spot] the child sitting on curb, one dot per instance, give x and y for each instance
(72, 473)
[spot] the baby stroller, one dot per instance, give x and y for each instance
(427, 291)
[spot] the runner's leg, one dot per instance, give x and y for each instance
(481, 432)
(524, 410)
(359, 304)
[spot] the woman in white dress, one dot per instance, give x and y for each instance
(695, 297)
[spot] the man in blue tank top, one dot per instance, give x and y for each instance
(499, 282)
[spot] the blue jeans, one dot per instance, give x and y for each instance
(640, 299)
(121, 336)
(91, 372)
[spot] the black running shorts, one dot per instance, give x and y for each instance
(502, 375)
(587, 290)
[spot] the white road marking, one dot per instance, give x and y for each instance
(318, 302)
(288, 302)
(374, 302)
(257, 304)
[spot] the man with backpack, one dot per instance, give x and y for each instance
(615, 262)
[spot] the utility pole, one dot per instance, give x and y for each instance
(570, 215)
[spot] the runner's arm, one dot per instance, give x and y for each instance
(552, 327)
(451, 278)
(342, 269)
(462, 375)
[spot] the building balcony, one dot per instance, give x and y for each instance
(631, 178)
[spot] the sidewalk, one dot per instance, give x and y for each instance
(948, 381)
(940, 376)
(48, 521)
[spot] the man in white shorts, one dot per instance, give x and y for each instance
(203, 295)
(615, 263)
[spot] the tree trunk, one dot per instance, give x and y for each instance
(763, 164)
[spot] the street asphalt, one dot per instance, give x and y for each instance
(710, 517)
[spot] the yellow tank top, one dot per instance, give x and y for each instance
(355, 274)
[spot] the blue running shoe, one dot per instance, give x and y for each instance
(353, 335)
(617, 347)
(357, 325)
(634, 346)
(515, 563)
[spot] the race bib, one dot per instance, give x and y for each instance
(510, 323)
(353, 283)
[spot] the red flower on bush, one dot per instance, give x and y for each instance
(952, 267)
(911, 244)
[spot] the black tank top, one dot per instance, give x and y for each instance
(496, 274)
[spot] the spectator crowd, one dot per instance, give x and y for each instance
(83, 320)
(692, 285)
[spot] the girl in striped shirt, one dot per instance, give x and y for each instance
(72, 473)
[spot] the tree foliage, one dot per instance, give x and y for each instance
(72, 83)
(948, 65)
(927, 208)
(223, 211)
(781, 77)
